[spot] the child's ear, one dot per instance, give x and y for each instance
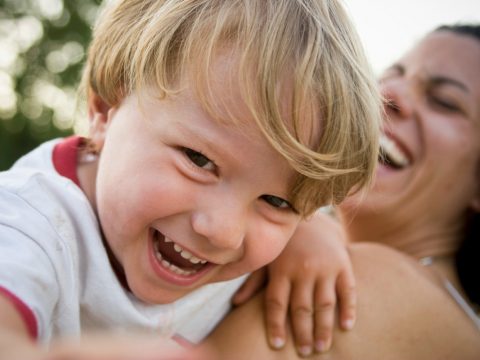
(98, 116)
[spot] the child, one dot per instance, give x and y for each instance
(216, 127)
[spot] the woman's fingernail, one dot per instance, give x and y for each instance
(305, 350)
(277, 342)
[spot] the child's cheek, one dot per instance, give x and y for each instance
(270, 241)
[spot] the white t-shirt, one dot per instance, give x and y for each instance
(54, 266)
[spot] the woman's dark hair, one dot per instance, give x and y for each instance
(467, 262)
(467, 258)
(462, 29)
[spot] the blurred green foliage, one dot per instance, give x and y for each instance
(43, 45)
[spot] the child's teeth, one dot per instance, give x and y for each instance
(187, 255)
(193, 259)
(172, 267)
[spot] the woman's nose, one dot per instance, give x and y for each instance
(398, 100)
(224, 225)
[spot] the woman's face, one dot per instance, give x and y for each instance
(432, 133)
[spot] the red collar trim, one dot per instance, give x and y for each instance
(65, 157)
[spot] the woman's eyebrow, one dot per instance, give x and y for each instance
(443, 80)
(434, 80)
(398, 68)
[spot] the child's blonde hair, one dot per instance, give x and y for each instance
(309, 44)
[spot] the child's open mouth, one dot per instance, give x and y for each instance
(174, 258)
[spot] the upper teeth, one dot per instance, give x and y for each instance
(186, 254)
(393, 152)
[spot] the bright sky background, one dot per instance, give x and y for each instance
(389, 27)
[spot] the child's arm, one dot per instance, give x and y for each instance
(311, 275)
(15, 343)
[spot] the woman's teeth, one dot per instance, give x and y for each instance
(392, 154)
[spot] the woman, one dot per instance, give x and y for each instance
(413, 301)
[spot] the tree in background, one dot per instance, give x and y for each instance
(42, 50)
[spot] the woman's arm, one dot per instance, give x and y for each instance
(402, 314)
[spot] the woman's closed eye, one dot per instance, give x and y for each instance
(444, 104)
(199, 160)
(277, 202)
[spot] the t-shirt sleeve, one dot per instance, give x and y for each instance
(27, 274)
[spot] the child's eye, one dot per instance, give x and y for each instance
(199, 159)
(276, 202)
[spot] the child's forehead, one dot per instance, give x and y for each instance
(232, 92)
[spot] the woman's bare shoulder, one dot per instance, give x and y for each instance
(403, 313)
(368, 258)
(406, 306)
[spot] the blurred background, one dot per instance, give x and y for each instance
(42, 49)
(389, 27)
(43, 45)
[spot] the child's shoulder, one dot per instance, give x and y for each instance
(37, 200)
(34, 175)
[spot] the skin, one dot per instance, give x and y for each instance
(218, 211)
(438, 123)
(215, 188)
(388, 300)
(316, 289)
(404, 310)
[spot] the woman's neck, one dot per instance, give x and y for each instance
(415, 239)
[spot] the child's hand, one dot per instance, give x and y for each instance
(252, 285)
(307, 278)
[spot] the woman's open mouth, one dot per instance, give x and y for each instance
(392, 155)
(174, 263)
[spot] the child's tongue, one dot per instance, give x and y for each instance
(172, 256)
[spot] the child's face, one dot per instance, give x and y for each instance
(174, 184)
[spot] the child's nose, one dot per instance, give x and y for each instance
(224, 225)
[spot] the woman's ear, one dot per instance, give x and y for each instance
(98, 116)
